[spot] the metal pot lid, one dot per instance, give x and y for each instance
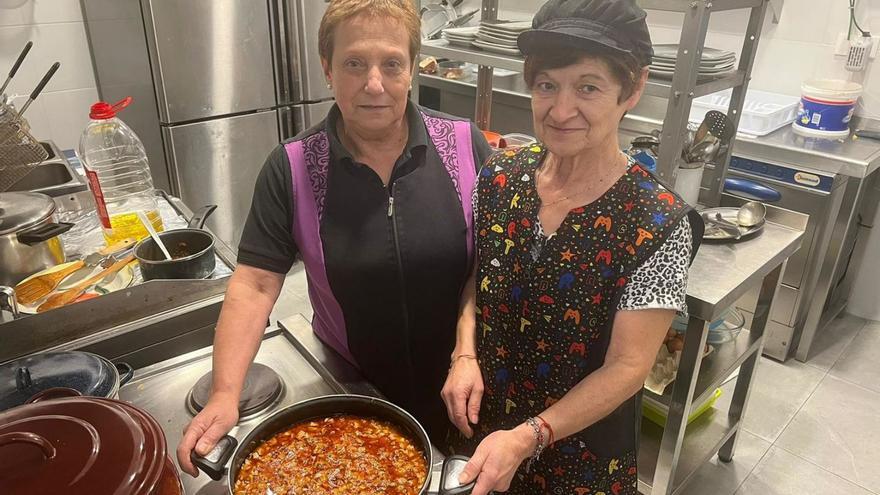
(80, 445)
(87, 373)
(20, 210)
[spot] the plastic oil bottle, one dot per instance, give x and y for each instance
(118, 174)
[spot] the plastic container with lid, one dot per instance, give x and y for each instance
(118, 173)
(826, 108)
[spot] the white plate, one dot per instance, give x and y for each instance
(123, 279)
(462, 43)
(487, 38)
(506, 35)
(703, 73)
(509, 27)
(495, 48)
(710, 65)
(700, 77)
(469, 31)
(459, 37)
(458, 40)
(670, 52)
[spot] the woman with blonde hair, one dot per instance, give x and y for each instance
(376, 200)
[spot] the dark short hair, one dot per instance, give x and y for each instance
(625, 68)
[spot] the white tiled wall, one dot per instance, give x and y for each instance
(57, 31)
(800, 47)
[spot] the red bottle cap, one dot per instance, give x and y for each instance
(103, 110)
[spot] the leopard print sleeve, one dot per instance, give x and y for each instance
(661, 281)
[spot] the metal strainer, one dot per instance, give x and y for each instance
(20, 152)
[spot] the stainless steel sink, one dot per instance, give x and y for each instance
(53, 177)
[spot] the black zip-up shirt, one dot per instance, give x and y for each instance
(396, 273)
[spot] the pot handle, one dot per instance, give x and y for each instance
(28, 437)
(43, 233)
(126, 373)
(452, 467)
(200, 217)
(214, 464)
(8, 300)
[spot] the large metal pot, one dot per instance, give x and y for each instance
(29, 236)
(84, 445)
(86, 373)
(320, 407)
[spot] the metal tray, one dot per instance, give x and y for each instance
(714, 233)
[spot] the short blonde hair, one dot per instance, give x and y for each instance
(340, 11)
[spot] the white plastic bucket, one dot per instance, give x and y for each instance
(826, 107)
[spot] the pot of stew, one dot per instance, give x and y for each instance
(341, 444)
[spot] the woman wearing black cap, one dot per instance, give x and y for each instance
(583, 259)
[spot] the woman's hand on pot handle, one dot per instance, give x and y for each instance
(497, 458)
(206, 429)
(462, 394)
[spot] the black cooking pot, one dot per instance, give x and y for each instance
(192, 250)
(87, 373)
(214, 465)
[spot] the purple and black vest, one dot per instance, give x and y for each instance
(309, 160)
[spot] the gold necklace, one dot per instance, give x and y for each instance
(578, 193)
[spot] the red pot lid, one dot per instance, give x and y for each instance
(80, 445)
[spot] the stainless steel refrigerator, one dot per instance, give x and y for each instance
(216, 84)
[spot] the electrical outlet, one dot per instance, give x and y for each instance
(841, 45)
(859, 54)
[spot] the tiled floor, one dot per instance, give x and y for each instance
(811, 428)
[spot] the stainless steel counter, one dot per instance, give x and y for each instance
(177, 315)
(851, 157)
(722, 273)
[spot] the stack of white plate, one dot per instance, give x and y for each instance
(714, 62)
(461, 36)
(500, 36)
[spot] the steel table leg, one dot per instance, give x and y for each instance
(747, 370)
(680, 407)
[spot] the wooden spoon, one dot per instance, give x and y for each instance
(68, 296)
(39, 287)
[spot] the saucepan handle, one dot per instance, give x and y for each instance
(452, 467)
(43, 233)
(200, 217)
(214, 464)
(126, 373)
(8, 300)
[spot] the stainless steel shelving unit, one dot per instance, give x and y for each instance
(680, 91)
(669, 456)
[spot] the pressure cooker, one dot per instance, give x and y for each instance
(29, 236)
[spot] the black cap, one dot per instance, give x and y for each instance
(615, 24)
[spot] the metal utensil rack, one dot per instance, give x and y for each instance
(677, 451)
(680, 91)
